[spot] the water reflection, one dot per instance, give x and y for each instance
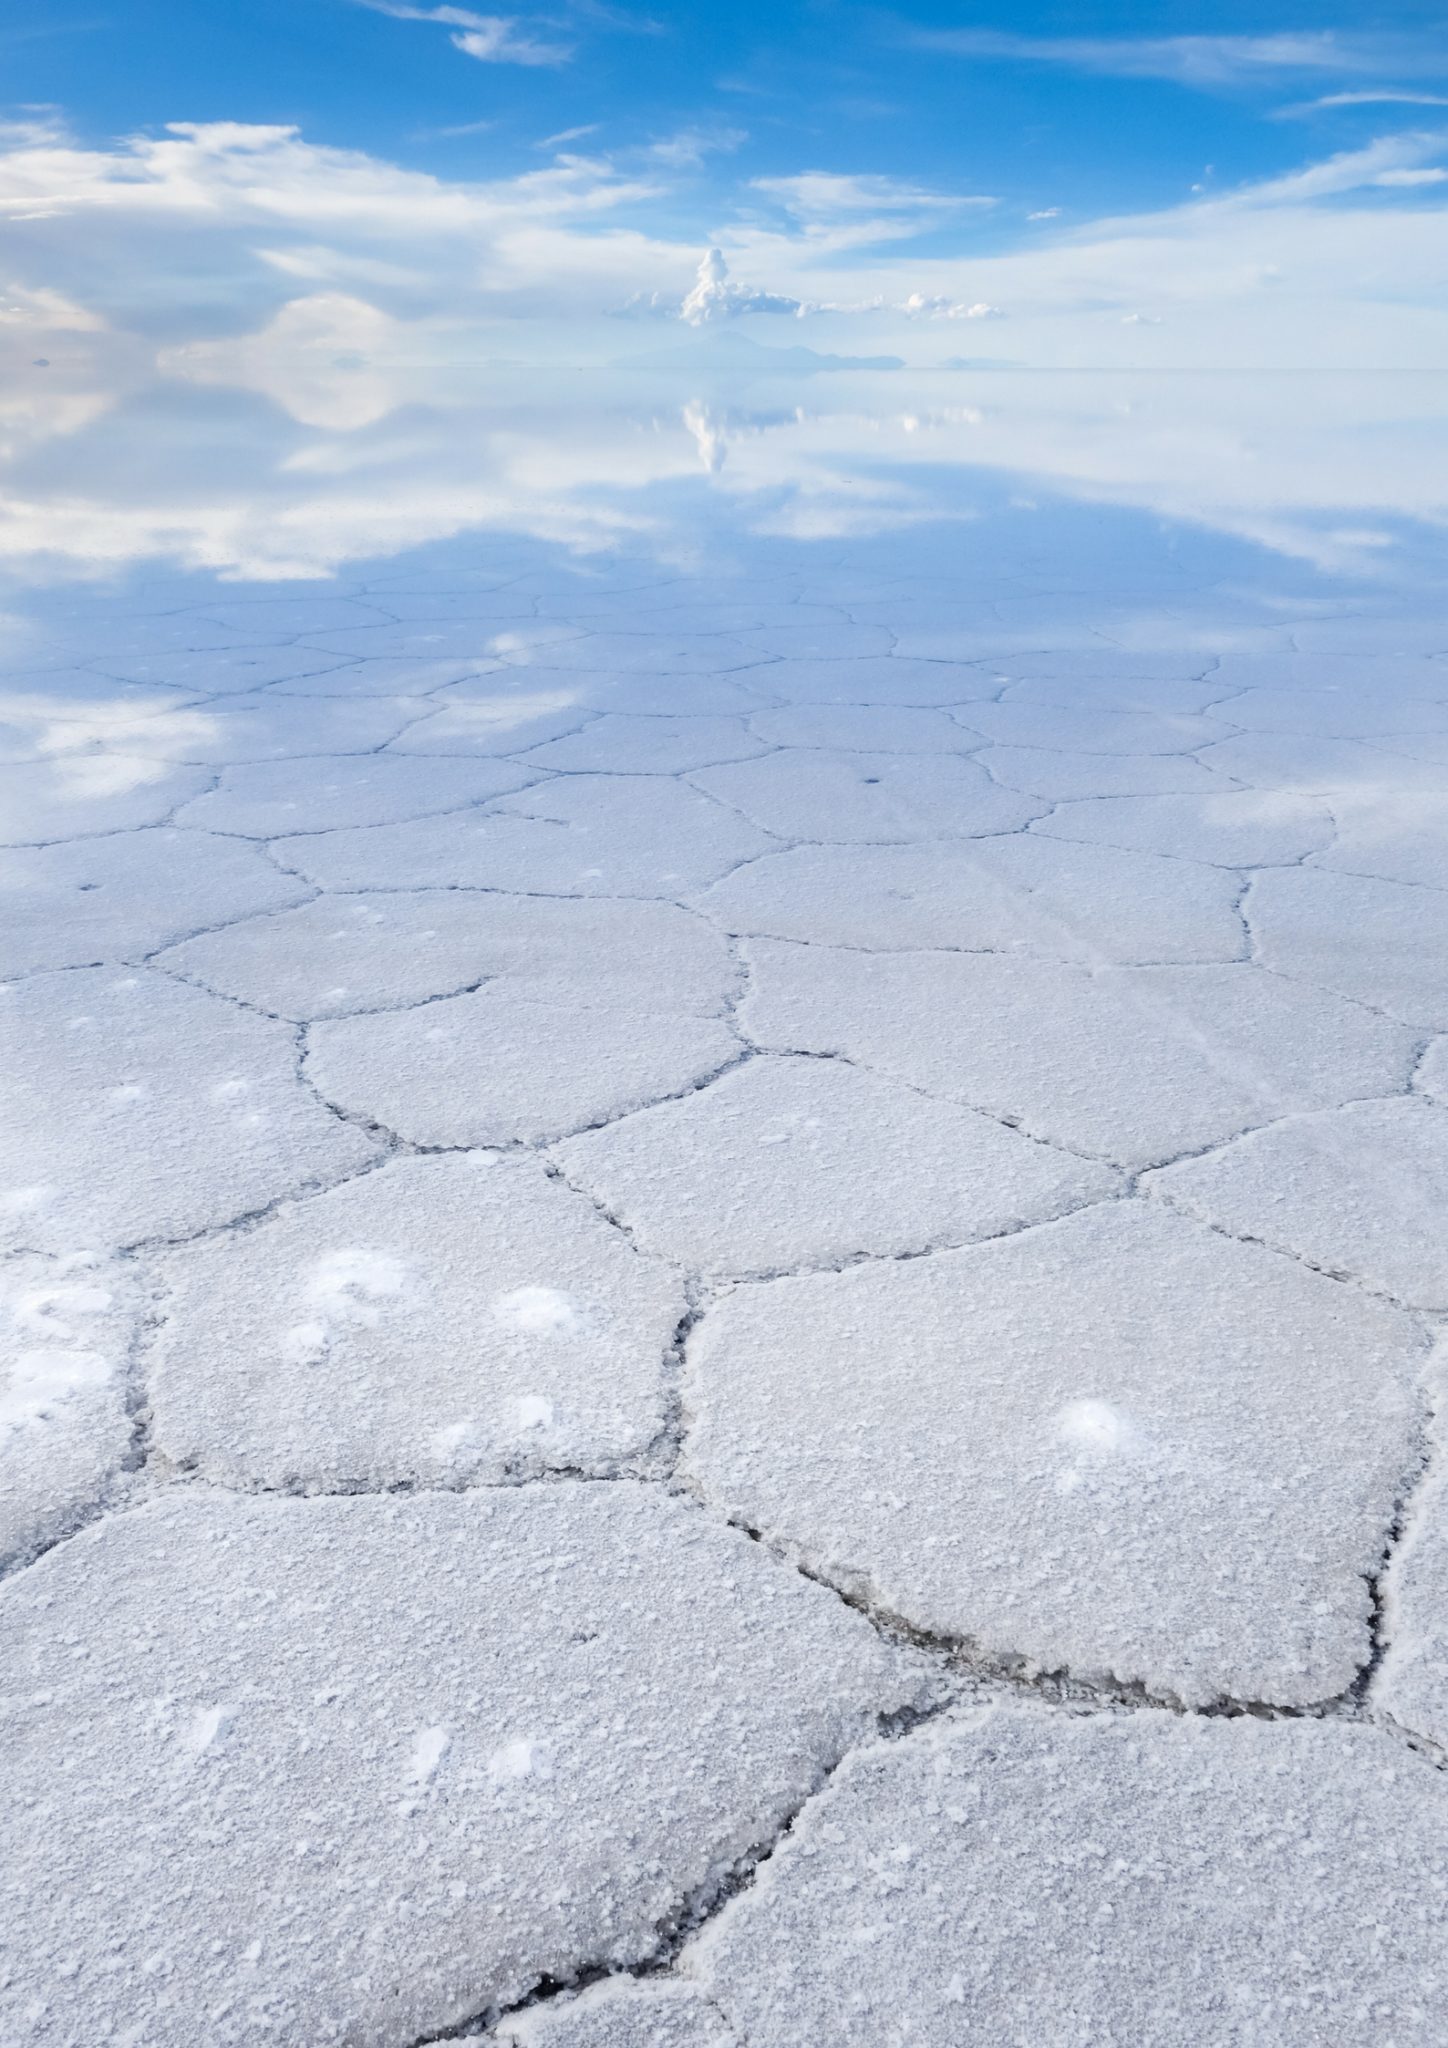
(243, 557)
(285, 455)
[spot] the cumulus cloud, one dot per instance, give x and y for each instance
(921, 305)
(718, 296)
(491, 38)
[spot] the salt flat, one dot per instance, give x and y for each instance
(719, 1291)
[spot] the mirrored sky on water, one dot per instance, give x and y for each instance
(250, 469)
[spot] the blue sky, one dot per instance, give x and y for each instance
(268, 189)
(1090, 110)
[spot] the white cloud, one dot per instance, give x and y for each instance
(40, 124)
(1045, 213)
(1187, 60)
(567, 135)
(1385, 97)
(919, 305)
(224, 173)
(457, 129)
(835, 213)
(1429, 175)
(1350, 170)
(131, 225)
(812, 195)
(491, 38)
(717, 296)
(889, 207)
(497, 42)
(689, 147)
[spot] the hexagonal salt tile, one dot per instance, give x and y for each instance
(435, 1322)
(785, 1163)
(1089, 1447)
(135, 1107)
(362, 1769)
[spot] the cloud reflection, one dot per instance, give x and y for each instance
(291, 456)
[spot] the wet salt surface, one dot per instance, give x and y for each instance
(524, 1072)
